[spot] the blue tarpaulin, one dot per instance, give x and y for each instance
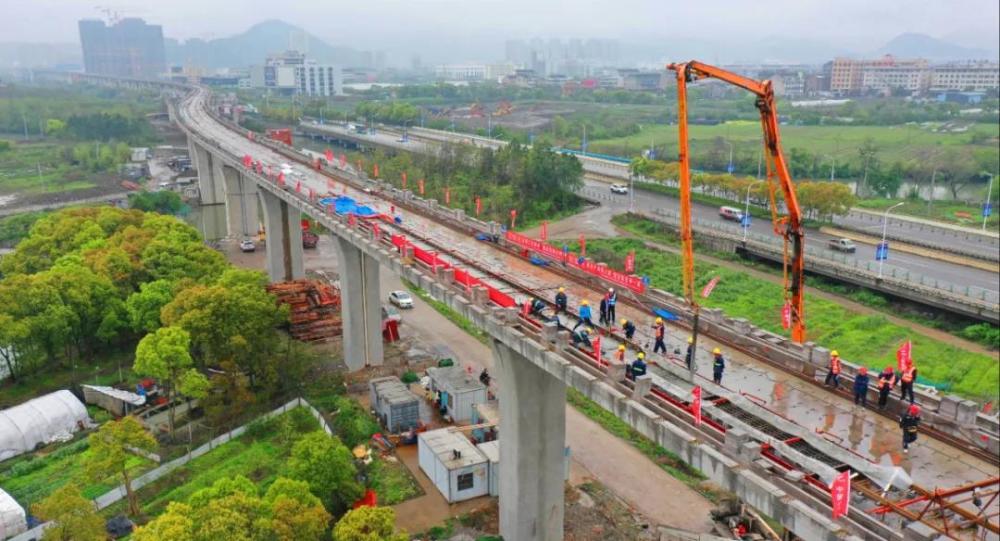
(347, 205)
(667, 315)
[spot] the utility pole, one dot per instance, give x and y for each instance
(987, 209)
(583, 144)
(833, 168)
(24, 120)
(930, 196)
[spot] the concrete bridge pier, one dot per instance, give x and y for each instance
(533, 442)
(360, 305)
(242, 216)
(210, 184)
(284, 238)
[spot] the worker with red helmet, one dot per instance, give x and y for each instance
(833, 375)
(861, 387)
(909, 423)
(906, 379)
(885, 382)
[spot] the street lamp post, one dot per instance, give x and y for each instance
(746, 213)
(986, 206)
(885, 224)
(730, 168)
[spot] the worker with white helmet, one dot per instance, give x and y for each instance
(612, 301)
(659, 333)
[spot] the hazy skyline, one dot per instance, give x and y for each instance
(479, 27)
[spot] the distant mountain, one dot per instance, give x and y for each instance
(251, 47)
(933, 49)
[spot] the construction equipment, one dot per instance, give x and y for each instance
(476, 110)
(504, 108)
(789, 227)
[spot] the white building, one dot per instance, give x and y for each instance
(460, 391)
(291, 72)
(461, 72)
(319, 80)
(975, 76)
(457, 468)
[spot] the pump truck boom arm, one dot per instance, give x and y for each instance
(789, 227)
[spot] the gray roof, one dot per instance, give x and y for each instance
(393, 391)
(442, 442)
(454, 379)
(491, 450)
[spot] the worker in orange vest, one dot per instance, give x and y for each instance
(833, 376)
(906, 379)
(885, 382)
(620, 354)
(660, 331)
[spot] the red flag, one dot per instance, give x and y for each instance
(404, 180)
(479, 206)
(513, 217)
(543, 232)
(583, 246)
(376, 230)
(352, 219)
(597, 349)
(707, 290)
(329, 156)
(375, 171)
(343, 161)
(786, 316)
(904, 356)
(312, 194)
(447, 195)
(281, 179)
(840, 494)
(696, 404)
(317, 164)
(420, 185)
(630, 261)
(247, 160)
(526, 308)
(298, 187)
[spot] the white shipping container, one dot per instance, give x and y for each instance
(455, 466)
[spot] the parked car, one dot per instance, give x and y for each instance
(731, 213)
(401, 299)
(843, 245)
(247, 245)
(619, 188)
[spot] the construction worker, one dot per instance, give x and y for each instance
(561, 300)
(639, 365)
(582, 337)
(689, 356)
(537, 306)
(659, 332)
(861, 387)
(620, 354)
(629, 328)
(604, 311)
(885, 382)
(906, 379)
(612, 301)
(584, 314)
(718, 366)
(833, 376)
(909, 423)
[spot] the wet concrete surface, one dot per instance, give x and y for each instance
(930, 463)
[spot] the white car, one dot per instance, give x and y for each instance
(247, 245)
(619, 188)
(401, 299)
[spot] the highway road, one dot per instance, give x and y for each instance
(933, 269)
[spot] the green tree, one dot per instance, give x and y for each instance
(54, 127)
(145, 305)
(109, 450)
(295, 513)
(165, 355)
(74, 518)
(327, 465)
(368, 524)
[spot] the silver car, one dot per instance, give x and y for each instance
(402, 299)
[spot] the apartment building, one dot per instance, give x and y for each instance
(977, 76)
(886, 74)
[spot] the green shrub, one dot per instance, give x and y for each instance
(352, 423)
(984, 333)
(410, 377)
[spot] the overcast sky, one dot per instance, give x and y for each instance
(391, 24)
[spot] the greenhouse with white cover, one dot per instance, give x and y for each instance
(53, 417)
(12, 518)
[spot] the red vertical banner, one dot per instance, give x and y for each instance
(329, 156)
(317, 164)
(597, 349)
(404, 179)
(312, 194)
(696, 404)
(352, 219)
(513, 218)
(376, 231)
(786, 316)
(281, 179)
(583, 246)
(710, 286)
(298, 187)
(343, 161)
(526, 308)
(904, 356)
(420, 186)
(479, 205)
(630, 261)
(447, 196)
(543, 232)
(840, 494)
(375, 171)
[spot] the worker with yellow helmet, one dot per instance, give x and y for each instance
(629, 328)
(584, 314)
(561, 300)
(718, 366)
(620, 354)
(689, 356)
(639, 365)
(833, 375)
(659, 333)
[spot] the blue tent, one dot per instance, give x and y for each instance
(347, 205)
(666, 315)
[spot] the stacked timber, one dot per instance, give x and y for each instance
(314, 308)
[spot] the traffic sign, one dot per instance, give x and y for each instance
(987, 209)
(730, 168)
(882, 251)
(745, 221)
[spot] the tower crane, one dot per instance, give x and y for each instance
(789, 227)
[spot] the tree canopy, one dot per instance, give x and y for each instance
(327, 466)
(368, 524)
(109, 450)
(74, 518)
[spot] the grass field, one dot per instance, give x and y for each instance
(942, 211)
(31, 478)
(19, 170)
(868, 339)
(895, 142)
